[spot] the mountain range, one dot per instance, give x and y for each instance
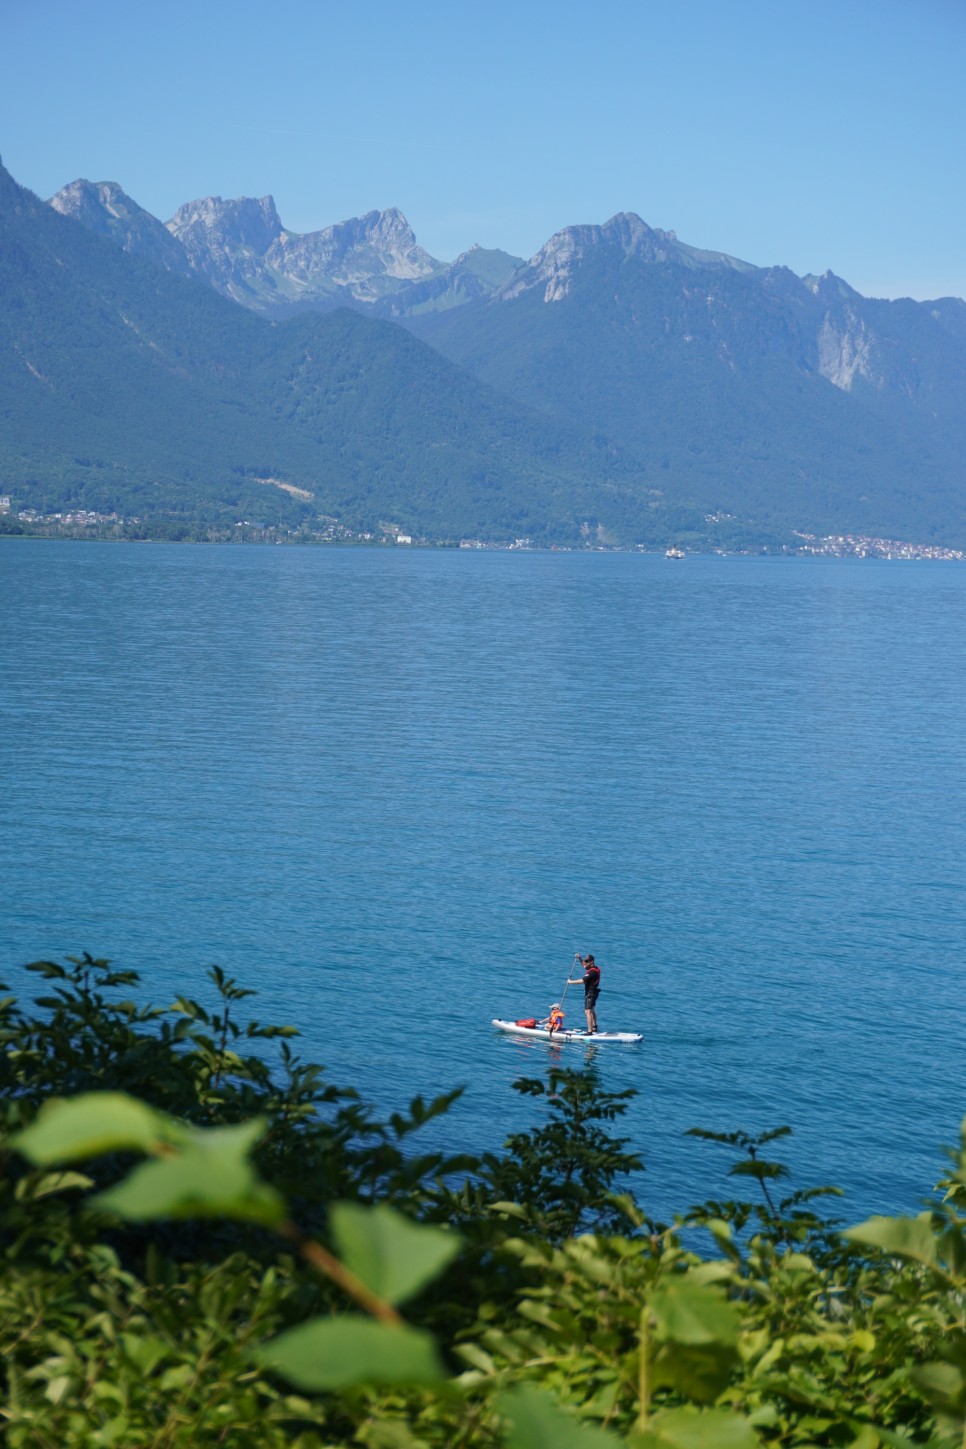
(126, 386)
(620, 385)
(242, 250)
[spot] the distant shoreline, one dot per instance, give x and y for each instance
(855, 549)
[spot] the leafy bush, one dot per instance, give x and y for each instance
(203, 1246)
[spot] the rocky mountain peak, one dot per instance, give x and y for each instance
(829, 288)
(242, 249)
(554, 265)
(628, 231)
(104, 208)
(92, 198)
(226, 241)
(367, 255)
(391, 227)
(210, 221)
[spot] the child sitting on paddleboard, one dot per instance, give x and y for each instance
(554, 1022)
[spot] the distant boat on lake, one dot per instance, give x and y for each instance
(674, 553)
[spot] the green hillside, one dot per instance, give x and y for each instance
(660, 386)
(712, 381)
(125, 387)
(646, 384)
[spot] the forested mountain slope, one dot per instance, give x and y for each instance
(123, 386)
(783, 398)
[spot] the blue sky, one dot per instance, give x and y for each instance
(816, 136)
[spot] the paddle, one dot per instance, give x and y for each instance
(569, 982)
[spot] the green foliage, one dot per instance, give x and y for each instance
(220, 1256)
(564, 1170)
(791, 1219)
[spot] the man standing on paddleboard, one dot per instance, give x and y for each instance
(591, 984)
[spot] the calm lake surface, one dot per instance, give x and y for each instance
(395, 791)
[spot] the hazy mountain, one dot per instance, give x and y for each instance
(104, 208)
(492, 266)
(125, 386)
(475, 274)
(242, 249)
(792, 401)
(756, 391)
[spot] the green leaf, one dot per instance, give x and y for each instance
(68, 1130)
(894, 1439)
(696, 1335)
(335, 1353)
(754, 1167)
(176, 1378)
(900, 1237)
(536, 1422)
(210, 1177)
(115, 1431)
(692, 1313)
(478, 1357)
(713, 1272)
(145, 1351)
(393, 1256)
(695, 1373)
(943, 1385)
(389, 1434)
(688, 1429)
(723, 1236)
(865, 1437)
(51, 1182)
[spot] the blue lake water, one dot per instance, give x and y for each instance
(396, 791)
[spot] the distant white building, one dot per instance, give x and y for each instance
(403, 538)
(4, 503)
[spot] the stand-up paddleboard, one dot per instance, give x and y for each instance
(592, 1037)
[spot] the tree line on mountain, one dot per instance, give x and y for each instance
(205, 1242)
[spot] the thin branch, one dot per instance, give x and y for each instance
(324, 1262)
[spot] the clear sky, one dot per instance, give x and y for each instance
(822, 135)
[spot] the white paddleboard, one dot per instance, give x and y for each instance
(566, 1035)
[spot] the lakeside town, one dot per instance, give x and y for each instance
(86, 523)
(849, 545)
